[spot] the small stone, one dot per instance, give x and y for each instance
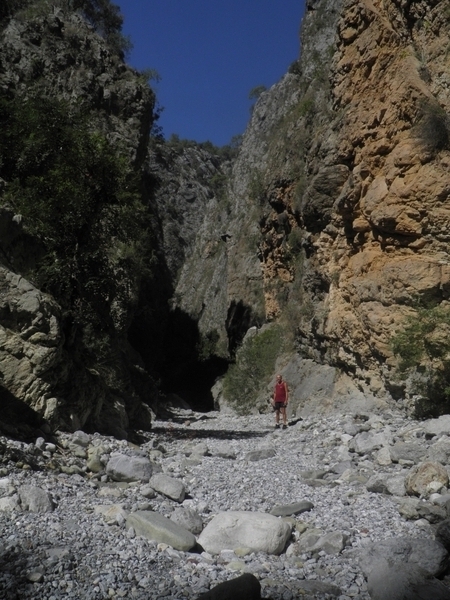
(35, 577)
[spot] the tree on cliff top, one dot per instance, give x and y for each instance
(107, 20)
(103, 15)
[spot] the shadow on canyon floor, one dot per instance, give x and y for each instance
(192, 434)
(17, 419)
(171, 430)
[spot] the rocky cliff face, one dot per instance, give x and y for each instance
(385, 246)
(55, 51)
(49, 50)
(189, 182)
(331, 222)
(337, 219)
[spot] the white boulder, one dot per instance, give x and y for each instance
(260, 532)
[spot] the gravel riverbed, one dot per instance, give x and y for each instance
(75, 551)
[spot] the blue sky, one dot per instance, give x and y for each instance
(210, 54)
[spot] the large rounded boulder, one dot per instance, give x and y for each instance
(259, 532)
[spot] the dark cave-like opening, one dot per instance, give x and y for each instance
(190, 367)
(175, 351)
(188, 370)
(240, 318)
(192, 381)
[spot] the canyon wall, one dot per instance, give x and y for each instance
(335, 223)
(331, 224)
(47, 362)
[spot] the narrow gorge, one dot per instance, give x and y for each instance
(304, 250)
(151, 289)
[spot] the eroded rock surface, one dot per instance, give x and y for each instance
(336, 203)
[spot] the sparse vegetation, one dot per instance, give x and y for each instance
(218, 183)
(79, 197)
(254, 366)
(294, 68)
(256, 92)
(30, 10)
(149, 75)
(207, 345)
(433, 128)
(300, 188)
(103, 15)
(305, 107)
(423, 348)
(107, 20)
(227, 152)
(256, 188)
(295, 240)
(306, 309)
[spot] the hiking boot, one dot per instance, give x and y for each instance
(277, 426)
(284, 426)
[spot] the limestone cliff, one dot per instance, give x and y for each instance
(386, 243)
(47, 50)
(336, 219)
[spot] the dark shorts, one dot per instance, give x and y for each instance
(279, 405)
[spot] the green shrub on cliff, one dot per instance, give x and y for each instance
(254, 366)
(256, 188)
(423, 348)
(107, 20)
(433, 128)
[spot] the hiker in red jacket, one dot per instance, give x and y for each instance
(280, 401)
